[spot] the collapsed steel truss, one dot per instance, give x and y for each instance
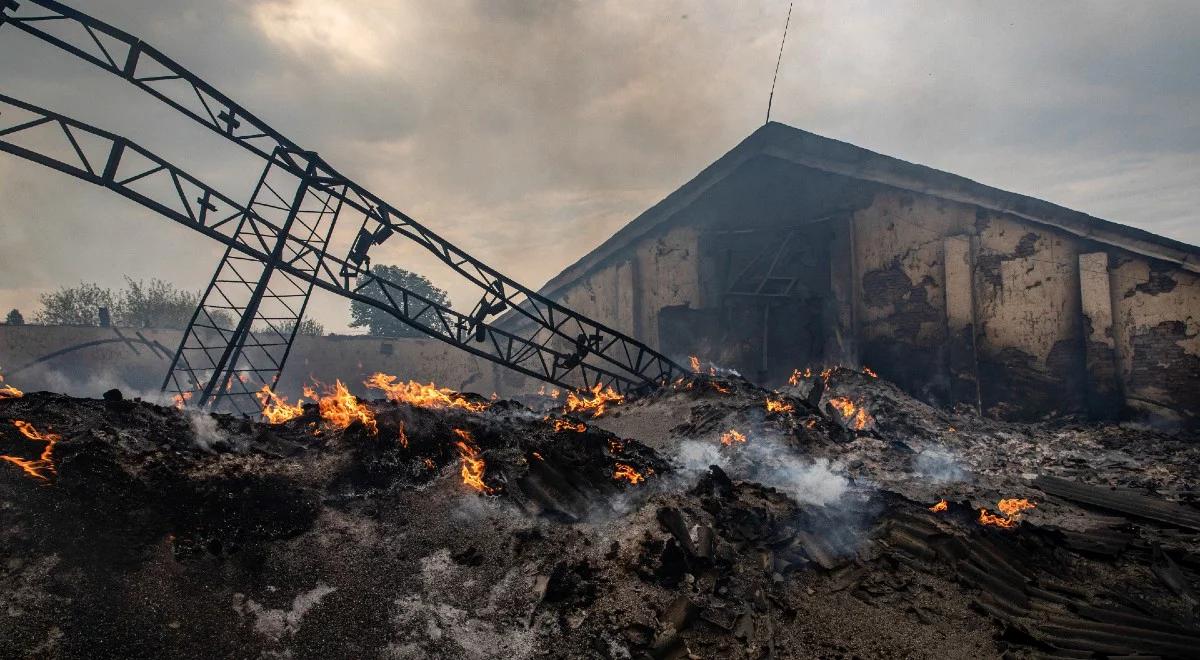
(276, 245)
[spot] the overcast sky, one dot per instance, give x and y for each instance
(527, 132)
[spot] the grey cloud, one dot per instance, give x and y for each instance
(529, 131)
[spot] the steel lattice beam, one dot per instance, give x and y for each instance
(557, 340)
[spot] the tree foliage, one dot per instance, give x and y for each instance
(14, 317)
(380, 323)
(153, 304)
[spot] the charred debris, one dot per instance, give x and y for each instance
(835, 517)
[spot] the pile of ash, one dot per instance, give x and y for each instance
(836, 517)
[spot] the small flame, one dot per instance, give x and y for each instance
(180, 400)
(8, 391)
(1011, 511)
(598, 403)
(695, 362)
(718, 387)
(870, 372)
(626, 472)
(403, 436)
(472, 465)
(554, 394)
(275, 409)
(424, 396)
(854, 415)
(38, 469)
(615, 446)
(561, 425)
(538, 456)
(428, 462)
(797, 375)
(779, 406)
(941, 506)
(731, 436)
(340, 408)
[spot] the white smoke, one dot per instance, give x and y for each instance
(939, 465)
(768, 461)
(205, 430)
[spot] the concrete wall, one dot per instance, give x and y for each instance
(91, 360)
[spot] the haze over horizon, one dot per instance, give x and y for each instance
(527, 133)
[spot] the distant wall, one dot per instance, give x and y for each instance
(86, 361)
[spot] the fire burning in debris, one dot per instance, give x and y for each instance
(403, 436)
(38, 469)
(1011, 511)
(340, 408)
(779, 406)
(8, 391)
(797, 375)
(567, 425)
(626, 472)
(615, 446)
(597, 404)
(425, 396)
(695, 361)
(732, 436)
(180, 400)
(472, 465)
(855, 416)
(942, 505)
(870, 372)
(275, 409)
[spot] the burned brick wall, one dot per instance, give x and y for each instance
(1028, 335)
(901, 294)
(1156, 324)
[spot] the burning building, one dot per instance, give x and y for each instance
(796, 249)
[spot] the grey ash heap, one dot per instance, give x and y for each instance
(835, 517)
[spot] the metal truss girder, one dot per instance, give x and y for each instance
(532, 356)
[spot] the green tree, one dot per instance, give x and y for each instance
(14, 318)
(310, 327)
(77, 305)
(383, 324)
(154, 304)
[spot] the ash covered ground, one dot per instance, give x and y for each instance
(836, 517)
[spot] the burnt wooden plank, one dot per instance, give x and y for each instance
(1126, 502)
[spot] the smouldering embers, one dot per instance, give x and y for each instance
(628, 473)
(43, 466)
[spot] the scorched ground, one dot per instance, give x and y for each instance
(833, 518)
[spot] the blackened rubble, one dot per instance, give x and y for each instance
(160, 533)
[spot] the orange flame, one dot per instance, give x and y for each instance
(626, 472)
(615, 446)
(695, 362)
(561, 425)
(779, 406)
(472, 465)
(340, 408)
(38, 469)
(403, 436)
(424, 396)
(598, 402)
(9, 392)
(718, 387)
(731, 436)
(941, 506)
(794, 379)
(870, 372)
(275, 409)
(855, 416)
(180, 400)
(1011, 511)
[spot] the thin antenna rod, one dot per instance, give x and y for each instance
(783, 41)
